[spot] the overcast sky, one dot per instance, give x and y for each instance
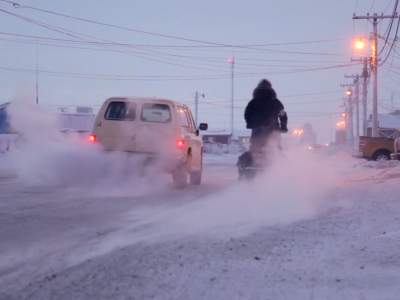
(308, 44)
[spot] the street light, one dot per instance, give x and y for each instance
(360, 43)
(349, 92)
(341, 124)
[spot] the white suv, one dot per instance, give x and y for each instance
(160, 129)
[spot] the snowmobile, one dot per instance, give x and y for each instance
(251, 163)
(259, 156)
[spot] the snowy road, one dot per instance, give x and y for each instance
(43, 228)
(204, 243)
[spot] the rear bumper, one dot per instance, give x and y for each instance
(167, 163)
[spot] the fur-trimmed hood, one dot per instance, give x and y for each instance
(264, 91)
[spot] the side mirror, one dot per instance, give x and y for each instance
(203, 126)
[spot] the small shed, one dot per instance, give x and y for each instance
(389, 124)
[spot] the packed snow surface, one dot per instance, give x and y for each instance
(76, 223)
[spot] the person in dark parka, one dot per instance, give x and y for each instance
(265, 114)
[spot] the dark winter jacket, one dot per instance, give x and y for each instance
(265, 110)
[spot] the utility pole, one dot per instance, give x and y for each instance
(196, 107)
(232, 62)
(37, 74)
(374, 74)
(350, 120)
(364, 76)
(374, 63)
(349, 112)
(356, 101)
(392, 100)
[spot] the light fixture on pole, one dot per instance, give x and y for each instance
(360, 43)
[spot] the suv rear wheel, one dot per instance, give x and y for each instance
(195, 176)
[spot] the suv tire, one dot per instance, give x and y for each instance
(195, 177)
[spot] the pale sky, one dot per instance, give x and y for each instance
(306, 75)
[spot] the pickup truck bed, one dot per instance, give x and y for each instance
(376, 148)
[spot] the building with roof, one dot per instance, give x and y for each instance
(388, 124)
(4, 120)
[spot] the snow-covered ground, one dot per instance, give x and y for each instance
(304, 230)
(76, 223)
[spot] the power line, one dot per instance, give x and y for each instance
(71, 34)
(221, 63)
(169, 36)
(389, 30)
(214, 59)
(392, 44)
(136, 54)
(142, 45)
(38, 23)
(159, 77)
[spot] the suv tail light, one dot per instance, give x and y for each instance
(92, 138)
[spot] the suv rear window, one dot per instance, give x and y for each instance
(158, 113)
(120, 111)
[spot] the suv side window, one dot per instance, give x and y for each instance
(191, 120)
(182, 117)
(185, 119)
(120, 111)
